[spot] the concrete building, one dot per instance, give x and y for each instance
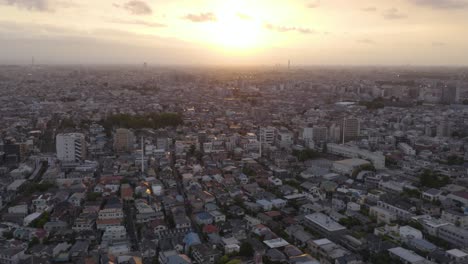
(351, 129)
(323, 224)
(124, 140)
(406, 149)
(348, 166)
(376, 158)
(457, 218)
(284, 139)
(267, 135)
(407, 256)
(114, 233)
(454, 235)
(71, 147)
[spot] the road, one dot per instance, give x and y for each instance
(129, 211)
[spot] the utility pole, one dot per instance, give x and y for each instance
(142, 155)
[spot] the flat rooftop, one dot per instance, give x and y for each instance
(325, 222)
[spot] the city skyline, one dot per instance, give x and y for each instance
(404, 32)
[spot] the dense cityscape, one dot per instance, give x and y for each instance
(226, 165)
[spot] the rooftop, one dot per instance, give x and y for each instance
(325, 222)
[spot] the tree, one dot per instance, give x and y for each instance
(223, 260)
(430, 179)
(41, 220)
(34, 241)
(306, 154)
(349, 222)
(455, 160)
(8, 235)
(192, 150)
(93, 196)
(246, 250)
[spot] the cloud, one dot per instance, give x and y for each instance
(369, 9)
(54, 44)
(439, 44)
(366, 41)
(33, 5)
(243, 16)
(393, 13)
(200, 18)
(137, 22)
(441, 4)
(314, 4)
(301, 30)
(137, 7)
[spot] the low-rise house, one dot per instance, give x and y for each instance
(77, 198)
(204, 253)
(218, 216)
(457, 256)
(265, 204)
(173, 257)
(327, 251)
(145, 213)
(11, 255)
(85, 222)
(203, 218)
(53, 226)
(114, 234)
(455, 217)
(431, 194)
(231, 245)
(406, 256)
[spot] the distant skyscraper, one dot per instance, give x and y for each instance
(320, 134)
(449, 94)
(71, 147)
(444, 129)
(124, 140)
(351, 129)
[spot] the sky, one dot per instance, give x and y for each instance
(234, 32)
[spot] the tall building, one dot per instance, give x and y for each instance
(284, 138)
(71, 147)
(320, 134)
(449, 94)
(351, 129)
(335, 133)
(444, 129)
(124, 140)
(316, 134)
(267, 135)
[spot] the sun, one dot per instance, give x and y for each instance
(235, 30)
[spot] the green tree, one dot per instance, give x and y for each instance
(430, 179)
(34, 241)
(93, 196)
(306, 154)
(246, 250)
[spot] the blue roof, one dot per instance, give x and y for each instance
(204, 216)
(423, 244)
(192, 239)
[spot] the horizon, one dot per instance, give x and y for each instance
(208, 32)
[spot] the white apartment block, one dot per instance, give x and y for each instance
(71, 147)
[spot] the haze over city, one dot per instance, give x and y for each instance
(209, 32)
(234, 132)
